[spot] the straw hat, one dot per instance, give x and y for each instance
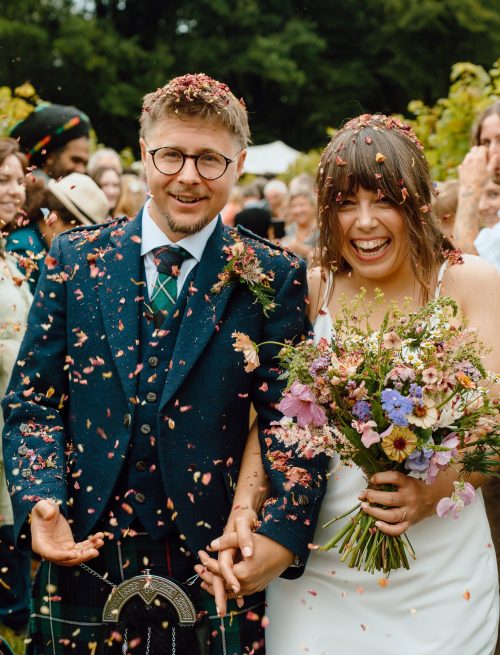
(82, 197)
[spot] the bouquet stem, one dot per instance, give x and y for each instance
(365, 547)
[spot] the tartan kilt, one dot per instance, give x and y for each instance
(67, 602)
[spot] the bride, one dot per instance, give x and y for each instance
(377, 231)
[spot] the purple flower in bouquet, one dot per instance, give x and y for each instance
(416, 394)
(469, 369)
(419, 460)
(398, 407)
(463, 495)
(400, 374)
(319, 364)
(362, 410)
(299, 401)
(441, 458)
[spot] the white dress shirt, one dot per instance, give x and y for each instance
(153, 237)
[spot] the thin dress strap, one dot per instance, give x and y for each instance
(329, 285)
(439, 284)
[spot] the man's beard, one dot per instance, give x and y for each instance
(180, 228)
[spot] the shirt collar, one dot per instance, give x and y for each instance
(153, 237)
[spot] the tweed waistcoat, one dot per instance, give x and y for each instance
(141, 492)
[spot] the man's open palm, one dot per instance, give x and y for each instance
(53, 540)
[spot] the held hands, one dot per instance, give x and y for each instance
(250, 574)
(411, 502)
(52, 538)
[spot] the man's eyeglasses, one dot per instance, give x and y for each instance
(210, 165)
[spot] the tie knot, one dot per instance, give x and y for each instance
(168, 259)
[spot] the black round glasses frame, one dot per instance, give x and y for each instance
(228, 161)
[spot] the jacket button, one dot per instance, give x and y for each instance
(303, 499)
(151, 397)
(22, 450)
(127, 420)
(145, 428)
(141, 465)
(140, 497)
(153, 361)
(26, 473)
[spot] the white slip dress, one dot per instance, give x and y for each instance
(446, 604)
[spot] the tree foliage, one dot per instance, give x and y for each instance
(445, 127)
(301, 66)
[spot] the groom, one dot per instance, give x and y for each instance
(127, 414)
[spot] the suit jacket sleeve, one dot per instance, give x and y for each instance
(291, 515)
(35, 404)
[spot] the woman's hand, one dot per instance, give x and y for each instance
(233, 546)
(254, 573)
(411, 501)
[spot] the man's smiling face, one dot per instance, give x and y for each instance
(185, 202)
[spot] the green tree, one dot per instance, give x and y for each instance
(301, 66)
(445, 127)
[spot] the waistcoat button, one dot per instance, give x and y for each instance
(140, 498)
(151, 397)
(127, 420)
(303, 500)
(145, 428)
(153, 361)
(141, 465)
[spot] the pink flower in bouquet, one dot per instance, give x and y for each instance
(347, 365)
(299, 401)
(391, 341)
(441, 458)
(447, 506)
(243, 344)
(463, 495)
(430, 376)
(369, 436)
(466, 491)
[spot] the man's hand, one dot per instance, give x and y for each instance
(52, 539)
(253, 573)
(473, 172)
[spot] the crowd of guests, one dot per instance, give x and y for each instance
(271, 209)
(49, 182)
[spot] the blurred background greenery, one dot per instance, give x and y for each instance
(302, 67)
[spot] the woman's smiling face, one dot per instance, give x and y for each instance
(375, 235)
(12, 189)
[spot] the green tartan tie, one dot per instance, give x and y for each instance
(168, 260)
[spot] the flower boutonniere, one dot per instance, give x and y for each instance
(244, 266)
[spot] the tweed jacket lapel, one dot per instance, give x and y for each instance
(120, 293)
(204, 309)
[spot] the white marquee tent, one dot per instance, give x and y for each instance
(270, 158)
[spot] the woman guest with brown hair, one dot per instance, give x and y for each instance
(15, 301)
(109, 180)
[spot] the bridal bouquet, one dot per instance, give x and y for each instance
(412, 396)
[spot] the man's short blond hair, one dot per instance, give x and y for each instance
(196, 96)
